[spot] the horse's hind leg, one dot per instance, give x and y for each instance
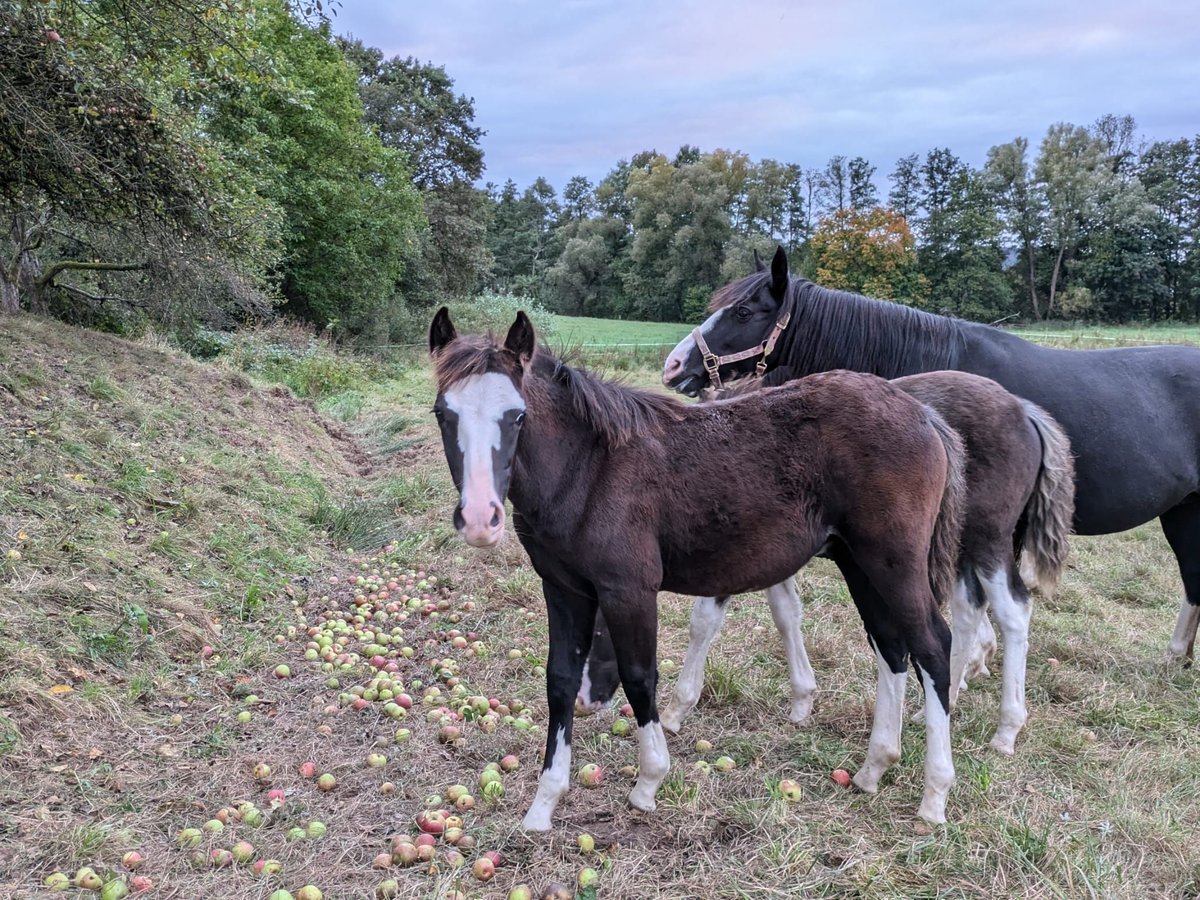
(708, 615)
(1181, 525)
(787, 609)
(891, 659)
(977, 666)
(927, 647)
(966, 614)
(1009, 598)
(883, 749)
(572, 618)
(635, 618)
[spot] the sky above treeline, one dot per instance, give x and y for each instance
(569, 88)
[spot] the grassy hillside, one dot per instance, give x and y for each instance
(173, 532)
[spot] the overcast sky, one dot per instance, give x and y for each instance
(567, 88)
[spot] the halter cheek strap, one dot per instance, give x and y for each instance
(713, 363)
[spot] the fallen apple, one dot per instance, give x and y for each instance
(327, 782)
(586, 878)
(842, 777)
(243, 851)
(591, 775)
(586, 842)
(57, 881)
(483, 869)
(132, 860)
(790, 791)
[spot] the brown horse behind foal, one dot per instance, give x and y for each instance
(1020, 499)
(618, 494)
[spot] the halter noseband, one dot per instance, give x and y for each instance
(713, 363)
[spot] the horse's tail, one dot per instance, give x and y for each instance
(1051, 507)
(947, 530)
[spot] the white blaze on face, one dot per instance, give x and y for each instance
(679, 356)
(480, 403)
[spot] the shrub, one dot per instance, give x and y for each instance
(496, 312)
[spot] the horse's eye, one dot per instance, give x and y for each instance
(437, 414)
(743, 313)
(520, 417)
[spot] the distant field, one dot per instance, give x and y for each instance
(609, 332)
(1065, 334)
(614, 333)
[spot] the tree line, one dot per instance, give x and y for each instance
(1094, 223)
(185, 162)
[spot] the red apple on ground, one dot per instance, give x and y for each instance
(484, 869)
(591, 776)
(842, 777)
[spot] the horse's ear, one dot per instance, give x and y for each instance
(779, 273)
(441, 332)
(759, 265)
(520, 338)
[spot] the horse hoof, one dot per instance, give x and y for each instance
(864, 783)
(1001, 746)
(533, 822)
(669, 722)
(800, 713)
(931, 816)
(642, 803)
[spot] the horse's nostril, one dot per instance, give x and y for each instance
(496, 515)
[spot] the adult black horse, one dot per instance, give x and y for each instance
(1132, 414)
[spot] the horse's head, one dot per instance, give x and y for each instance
(479, 410)
(745, 313)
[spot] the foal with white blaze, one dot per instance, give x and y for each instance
(618, 494)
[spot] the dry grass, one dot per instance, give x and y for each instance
(1100, 799)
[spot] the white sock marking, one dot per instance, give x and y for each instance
(787, 609)
(654, 761)
(1185, 631)
(552, 784)
(707, 619)
(939, 762)
(1013, 616)
(884, 747)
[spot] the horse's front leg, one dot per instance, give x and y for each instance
(571, 617)
(787, 609)
(708, 615)
(633, 619)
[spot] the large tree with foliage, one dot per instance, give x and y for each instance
(109, 184)
(416, 111)
(351, 211)
(680, 227)
(870, 252)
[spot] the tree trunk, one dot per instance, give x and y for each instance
(29, 277)
(10, 296)
(1054, 279)
(1033, 297)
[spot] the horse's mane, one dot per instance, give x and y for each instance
(841, 330)
(472, 354)
(614, 410)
